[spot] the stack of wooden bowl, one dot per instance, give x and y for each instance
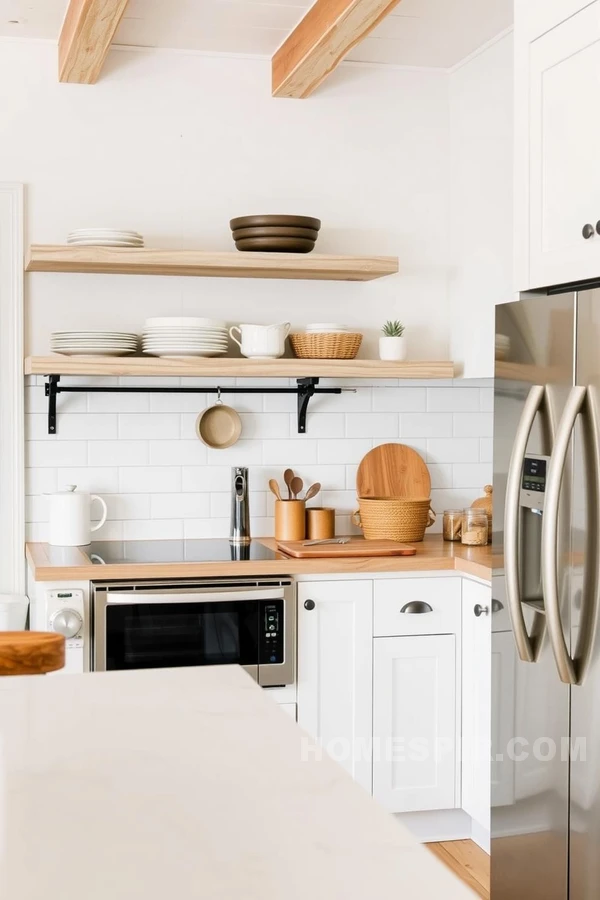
(394, 494)
(275, 234)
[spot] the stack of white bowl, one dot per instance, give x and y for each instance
(326, 328)
(173, 337)
(94, 343)
(104, 237)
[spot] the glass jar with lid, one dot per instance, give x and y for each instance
(452, 524)
(474, 531)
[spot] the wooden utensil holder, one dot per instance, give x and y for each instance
(290, 524)
(320, 523)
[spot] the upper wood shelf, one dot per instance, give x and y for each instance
(252, 368)
(146, 261)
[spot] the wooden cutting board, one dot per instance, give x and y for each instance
(393, 470)
(354, 547)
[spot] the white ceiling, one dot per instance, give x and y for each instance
(435, 33)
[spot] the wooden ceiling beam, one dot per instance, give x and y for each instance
(85, 38)
(328, 31)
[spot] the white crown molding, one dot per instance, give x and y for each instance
(483, 49)
(12, 421)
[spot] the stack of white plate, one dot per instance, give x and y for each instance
(104, 237)
(94, 343)
(173, 337)
(325, 328)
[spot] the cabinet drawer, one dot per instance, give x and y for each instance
(431, 606)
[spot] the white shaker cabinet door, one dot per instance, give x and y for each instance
(564, 143)
(414, 722)
(503, 717)
(476, 700)
(335, 657)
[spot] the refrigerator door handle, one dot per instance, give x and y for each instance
(574, 405)
(527, 647)
(573, 670)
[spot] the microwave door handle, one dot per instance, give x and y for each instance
(564, 663)
(527, 647)
(138, 597)
(590, 602)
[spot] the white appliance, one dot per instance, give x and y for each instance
(70, 517)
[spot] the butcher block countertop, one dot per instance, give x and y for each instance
(433, 554)
(188, 784)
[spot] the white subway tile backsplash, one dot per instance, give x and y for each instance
(160, 426)
(479, 424)
(179, 506)
(55, 453)
(400, 399)
(150, 479)
(141, 453)
(178, 453)
(117, 403)
(346, 451)
(425, 425)
(452, 450)
(456, 400)
(290, 452)
(72, 427)
(153, 530)
(375, 425)
(117, 453)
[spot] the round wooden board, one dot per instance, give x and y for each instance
(31, 652)
(393, 471)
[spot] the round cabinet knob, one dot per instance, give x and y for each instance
(598, 227)
(481, 610)
(67, 622)
(309, 604)
(588, 231)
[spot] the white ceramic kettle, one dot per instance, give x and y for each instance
(70, 513)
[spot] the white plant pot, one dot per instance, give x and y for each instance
(392, 348)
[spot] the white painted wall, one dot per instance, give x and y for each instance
(481, 194)
(174, 145)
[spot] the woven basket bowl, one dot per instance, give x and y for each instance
(337, 345)
(394, 520)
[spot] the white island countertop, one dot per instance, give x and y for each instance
(186, 784)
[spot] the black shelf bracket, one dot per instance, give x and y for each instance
(305, 391)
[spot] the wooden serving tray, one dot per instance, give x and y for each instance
(354, 547)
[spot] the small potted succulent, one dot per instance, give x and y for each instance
(392, 345)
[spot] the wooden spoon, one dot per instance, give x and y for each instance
(275, 488)
(296, 486)
(287, 477)
(312, 491)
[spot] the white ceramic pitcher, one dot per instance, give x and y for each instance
(261, 341)
(70, 514)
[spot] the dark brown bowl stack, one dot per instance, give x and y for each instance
(275, 234)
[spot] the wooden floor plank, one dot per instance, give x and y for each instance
(468, 861)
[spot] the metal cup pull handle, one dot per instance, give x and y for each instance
(416, 607)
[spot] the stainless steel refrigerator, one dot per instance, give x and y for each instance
(545, 632)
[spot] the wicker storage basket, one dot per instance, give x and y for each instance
(334, 345)
(394, 520)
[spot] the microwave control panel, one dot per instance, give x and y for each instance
(533, 482)
(271, 637)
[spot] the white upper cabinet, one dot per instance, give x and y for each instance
(558, 140)
(335, 653)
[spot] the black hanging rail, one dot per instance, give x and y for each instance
(306, 389)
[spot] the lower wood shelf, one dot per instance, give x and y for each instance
(252, 368)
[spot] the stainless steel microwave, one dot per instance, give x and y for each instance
(246, 621)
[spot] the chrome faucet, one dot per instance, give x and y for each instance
(239, 532)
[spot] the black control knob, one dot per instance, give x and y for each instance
(309, 604)
(598, 227)
(588, 231)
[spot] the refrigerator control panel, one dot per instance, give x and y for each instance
(533, 484)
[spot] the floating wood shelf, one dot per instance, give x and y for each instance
(146, 261)
(227, 368)
(529, 373)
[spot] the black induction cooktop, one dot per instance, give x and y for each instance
(122, 552)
